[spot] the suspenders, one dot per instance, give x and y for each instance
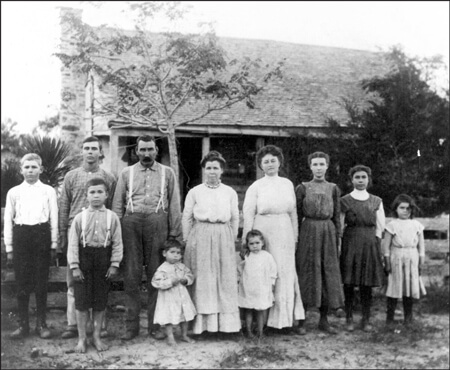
(84, 213)
(163, 189)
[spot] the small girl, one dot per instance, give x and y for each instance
(404, 254)
(174, 305)
(257, 276)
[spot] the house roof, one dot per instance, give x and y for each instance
(315, 79)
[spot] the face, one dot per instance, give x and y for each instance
(270, 164)
(319, 167)
(147, 152)
(404, 211)
(31, 171)
(255, 244)
(173, 255)
(213, 171)
(91, 152)
(360, 180)
(96, 196)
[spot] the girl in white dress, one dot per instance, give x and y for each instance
(174, 305)
(404, 254)
(257, 276)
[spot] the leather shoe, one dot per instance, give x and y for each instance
(20, 333)
(326, 327)
(158, 334)
(350, 325)
(43, 332)
(129, 334)
(68, 334)
(299, 330)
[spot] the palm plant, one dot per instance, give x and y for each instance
(56, 157)
(10, 177)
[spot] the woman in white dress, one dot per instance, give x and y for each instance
(270, 207)
(210, 226)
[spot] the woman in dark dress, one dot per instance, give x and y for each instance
(362, 215)
(317, 260)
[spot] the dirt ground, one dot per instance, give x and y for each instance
(425, 345)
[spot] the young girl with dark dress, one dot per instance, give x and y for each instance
(363, 219)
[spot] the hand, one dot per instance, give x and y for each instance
(421, 262)
(183, 281)
(9, 260)
(175, 281)
(112, 272)
(78, 274)
(387, 266)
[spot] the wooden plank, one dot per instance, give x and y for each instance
(58, 300)
(56, 275)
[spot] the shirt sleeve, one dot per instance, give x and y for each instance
(381, 221)
(161, 280)
(421, 244)
(293, 214)
(300, 195)
(10, 211)
(188, 214)
(249, 209)
(387, 240)
(337, 211)
(53, 217)
(234, 221)
(73, 259)
(118, 203)
(112, 189)
(173, 196)
(64, 205)
(273, 270)
(116, 241)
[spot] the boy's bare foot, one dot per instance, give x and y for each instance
(171, 341)
(99, 345)
(81, 346)
(187, 339)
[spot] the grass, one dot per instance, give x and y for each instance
(437, 300)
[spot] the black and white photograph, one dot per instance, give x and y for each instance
(225, 185)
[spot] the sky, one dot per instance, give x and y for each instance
(30, 74)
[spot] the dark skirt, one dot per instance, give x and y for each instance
(361, 257)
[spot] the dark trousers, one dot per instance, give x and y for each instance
(31, 266)
(366, 300)
(92, 292)
(143, 238)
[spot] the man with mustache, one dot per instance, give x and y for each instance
(147, 201)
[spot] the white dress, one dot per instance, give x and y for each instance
(403, 281)
(270, 207)
(210, 225)
(257, 274)
(174, 305)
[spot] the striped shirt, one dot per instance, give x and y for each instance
(73, 194)
(30, 204)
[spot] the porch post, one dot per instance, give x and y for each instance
(260, 142)
(114, 151)
(206, 146)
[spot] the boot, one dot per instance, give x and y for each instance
(348, 291)
(390, 313)
(324, 325)
(22, 331)
(42, 329)
(366, 302)
(407, 310)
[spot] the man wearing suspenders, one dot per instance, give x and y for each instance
(147, 201)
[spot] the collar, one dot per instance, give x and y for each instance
(36, 184)
(94, 170)
(360, 194)
(153, 167)
(103, 209)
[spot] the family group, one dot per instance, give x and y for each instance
(303, 248)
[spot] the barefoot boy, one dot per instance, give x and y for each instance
(31, 238)
(94, 253)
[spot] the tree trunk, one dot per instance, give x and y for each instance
(173, 153)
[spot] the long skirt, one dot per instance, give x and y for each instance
(280, 243)
(211, 256)
(318, 265)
